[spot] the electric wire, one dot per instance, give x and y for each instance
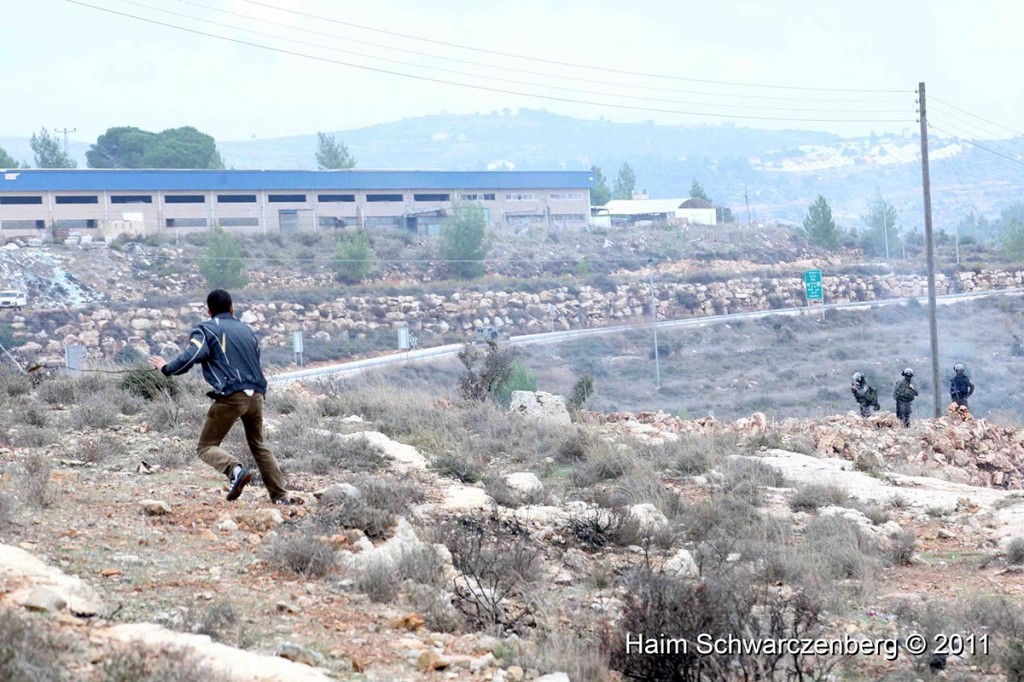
(475, 86)
(506, 80)
(975, 144)
(561, 63)
(964, 111)
(545, 74)
(978, 131)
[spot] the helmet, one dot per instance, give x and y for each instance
(958, 367)
(858, 378)
(908, 372)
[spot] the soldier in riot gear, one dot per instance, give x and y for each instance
(960, 386)
(904, 393)
(865, 394)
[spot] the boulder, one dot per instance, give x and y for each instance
(540, 406)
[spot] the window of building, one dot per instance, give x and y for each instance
(384, 197)
(523, 219)
(334, 221)
(82, 199)
(132, 199)
(236, 198)
(184, 199)
(567, 196)
(431, 197)
(89, 224)
(239, 222)
(14, 201)
(382, 221)
(478, 197)
(186, 222)
(335, 198)
(23, 225)
(287, 198)
(518, 196)
(568, 217)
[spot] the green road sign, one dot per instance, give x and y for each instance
(812, 285)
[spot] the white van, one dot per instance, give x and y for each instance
(13, 299)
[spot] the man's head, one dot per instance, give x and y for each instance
(219, 301)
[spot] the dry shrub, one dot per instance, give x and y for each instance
(302, 552)
(29, 650)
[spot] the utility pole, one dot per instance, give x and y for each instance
(930, 247)
(654, 326)
(65, 131)
(747, 199)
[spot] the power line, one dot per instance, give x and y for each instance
(499, 78)
(964, 111)
(976, 130)
(477, 63)
(975, 144)
(560, 63)
(475, 86)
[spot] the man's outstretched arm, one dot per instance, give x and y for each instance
(197, 350)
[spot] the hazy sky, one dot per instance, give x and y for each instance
(67, 65)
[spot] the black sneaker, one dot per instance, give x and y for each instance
(239, 480)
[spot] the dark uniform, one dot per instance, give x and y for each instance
(865, 395)
(960, 386)
(904, 393)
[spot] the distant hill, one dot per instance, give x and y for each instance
(780, 171)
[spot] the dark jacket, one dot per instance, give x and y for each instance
(904, 391)
(960, 386)
(229, 353)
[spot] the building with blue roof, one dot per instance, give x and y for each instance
(114, 201)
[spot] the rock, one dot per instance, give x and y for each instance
(483, 662)
(22, 573)
(430, 660)
(410, 621)
(155, 507)
(515, 673)
(682, 564)
(524, 482)
(336, 493)
(227, 525)
(649, 517)
(294, 652)
(945, 534)
(44, 599)
(259, 520)
(553, 677)
(540, 406)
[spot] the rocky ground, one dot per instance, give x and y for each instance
(396, 564)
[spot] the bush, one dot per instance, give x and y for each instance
(519, 379)
(494, 571)
(464, 242)
(813, 496)
(597, 528)
(95, 411)
(482, 375)
(303, 553)
(353, 512)
(581, 391)
(1015, 551)
(137, 664)
(149, 384)
(458, 465)
(35, 482)
(900, 551)
(223, 266)
(28, 649)
(353, 260)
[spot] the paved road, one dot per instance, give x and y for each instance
(435, 352)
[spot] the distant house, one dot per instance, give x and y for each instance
(634, 211)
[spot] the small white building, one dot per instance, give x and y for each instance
(692, 211)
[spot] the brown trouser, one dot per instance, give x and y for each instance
(223, 414)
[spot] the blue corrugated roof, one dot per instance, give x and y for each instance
(178, 180)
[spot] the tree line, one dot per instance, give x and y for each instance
(131, 147)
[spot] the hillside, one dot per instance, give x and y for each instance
(446, 537)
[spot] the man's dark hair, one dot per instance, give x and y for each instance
(218, 301)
